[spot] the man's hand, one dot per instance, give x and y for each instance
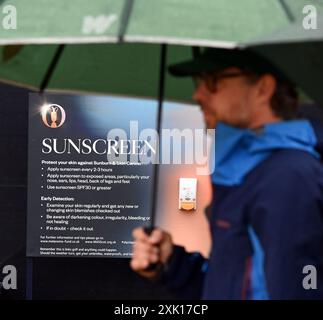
(147, 250)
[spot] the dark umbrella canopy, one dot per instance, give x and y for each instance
(298, 53)
(115, 69)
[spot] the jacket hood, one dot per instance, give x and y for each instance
(238, 151)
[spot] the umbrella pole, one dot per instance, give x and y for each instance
(155, 175)
(161, 93)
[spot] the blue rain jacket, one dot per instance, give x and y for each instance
(266, 218)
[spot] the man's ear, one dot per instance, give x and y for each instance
(266, 88)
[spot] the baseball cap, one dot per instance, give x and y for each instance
(218, 59)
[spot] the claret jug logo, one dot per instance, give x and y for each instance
(53, 115)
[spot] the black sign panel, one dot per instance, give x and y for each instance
(88, 185)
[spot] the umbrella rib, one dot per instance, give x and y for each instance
(161, 94)
(287, 10)
(51, 68)
(125, 19)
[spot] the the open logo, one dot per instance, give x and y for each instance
(53, 115)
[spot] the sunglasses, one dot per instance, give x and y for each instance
(212, 79)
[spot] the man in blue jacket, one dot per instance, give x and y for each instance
(266, 218)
